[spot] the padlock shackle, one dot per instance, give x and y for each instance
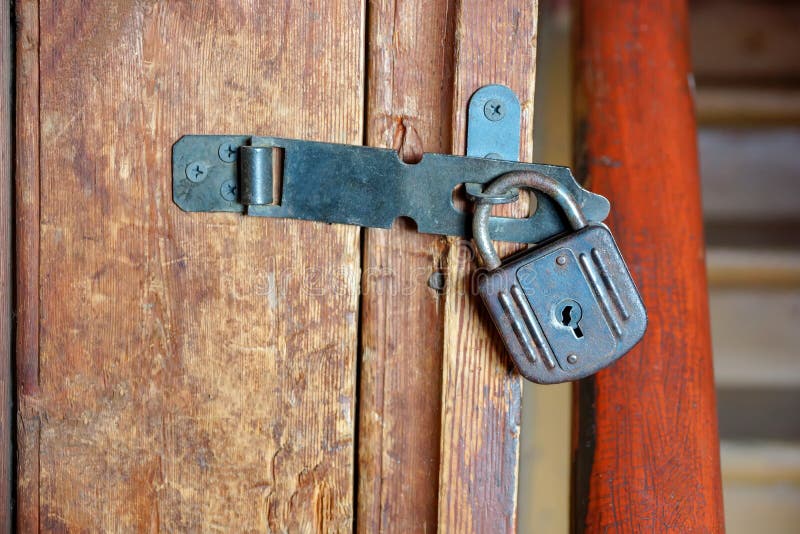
(529, 180)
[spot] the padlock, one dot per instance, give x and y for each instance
(565, 308)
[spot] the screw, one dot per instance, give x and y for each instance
(228, 190)
(561, 260)
(493, 155)
(494, 109)
(228, 152)
(437, 281)
(197, 171)
(572, 358)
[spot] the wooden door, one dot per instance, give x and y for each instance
(183, 372)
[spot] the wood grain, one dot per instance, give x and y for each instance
(409, 105)
(647, 452)
(7, 421)
(481, 391)
(26, 215)
(195, 371)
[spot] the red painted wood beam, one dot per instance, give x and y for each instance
(646, 445)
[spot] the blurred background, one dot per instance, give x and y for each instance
(746, 57)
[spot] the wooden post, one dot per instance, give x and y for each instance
(646, 445)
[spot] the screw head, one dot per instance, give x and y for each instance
(561, 260)
(572, 358)
(437, 281)
(494, 109)
(228, 190)
(197, 171)
(228, 152)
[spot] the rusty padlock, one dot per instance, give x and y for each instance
(565, 308)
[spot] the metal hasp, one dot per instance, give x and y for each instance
(334, 183)
(493, 123)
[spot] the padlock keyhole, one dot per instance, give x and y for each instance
(570, 317)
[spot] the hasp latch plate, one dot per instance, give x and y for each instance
(364, 186)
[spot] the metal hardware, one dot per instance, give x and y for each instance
(489, 136)
(494, 110)
(493, 123)
(573, 288)
(255, 175)
(475, 192)
(227, 152)
(567, 308)
(196, 171)
(437, 281)
(363, 186)
(229, 190)
(275, 177)
(508, 182)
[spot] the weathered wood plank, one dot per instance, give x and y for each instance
(481, 391)
(196, 371)
(7, 421)
(647, 452)
(26, 230)
(416, 103)
(409, 99)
